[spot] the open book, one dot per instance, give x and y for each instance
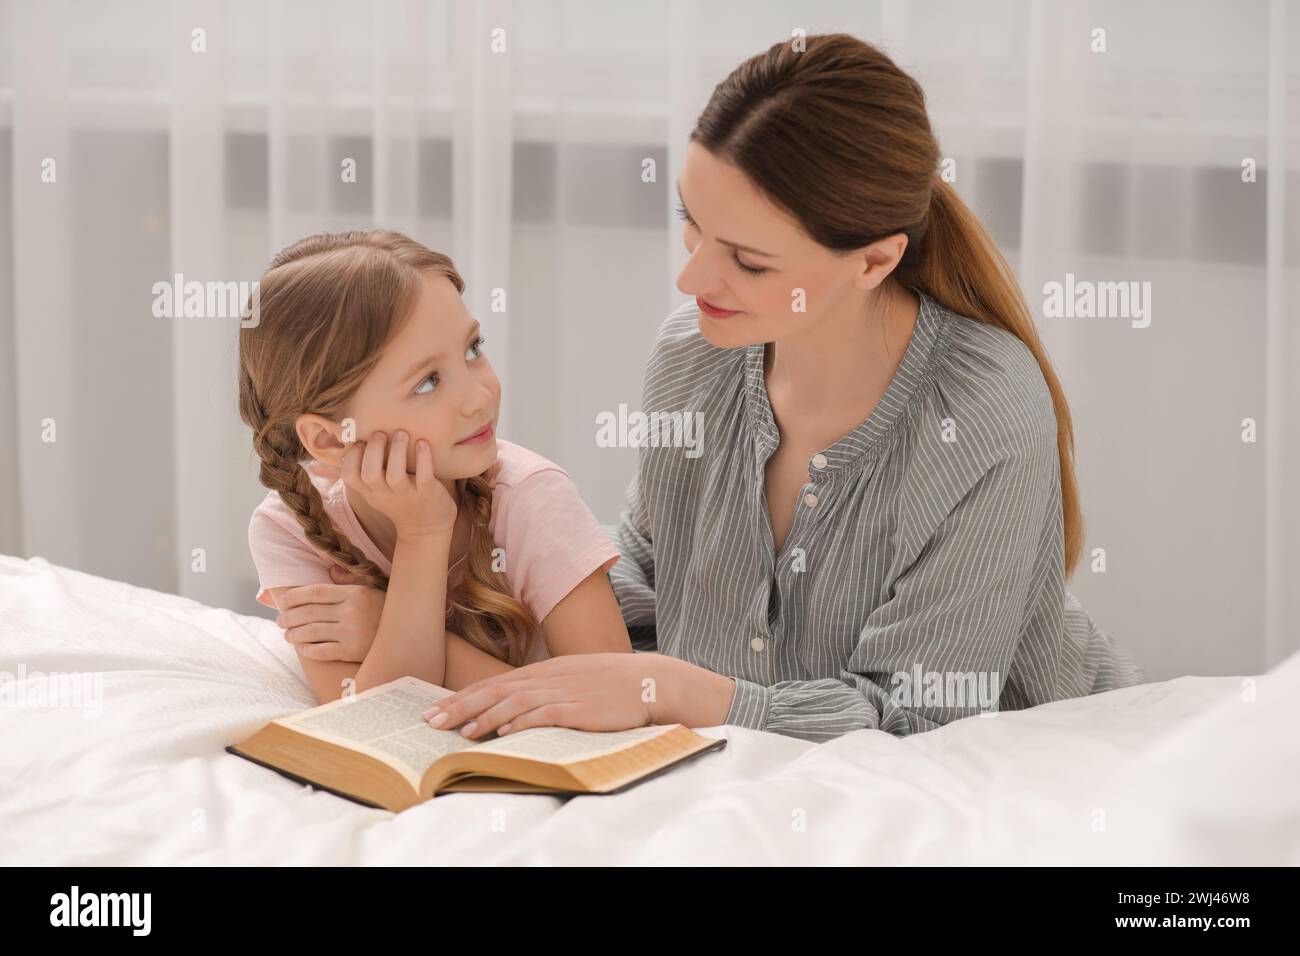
(377, 749)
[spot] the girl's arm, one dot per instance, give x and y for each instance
(327, 678)
(411, 636)
(560, 557)
(587, 621)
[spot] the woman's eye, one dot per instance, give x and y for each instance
(751, 270)
(430, 379)
(476, 348)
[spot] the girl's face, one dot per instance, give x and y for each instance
(752, 257)
(434, 382)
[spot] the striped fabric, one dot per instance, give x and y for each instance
(923, 577)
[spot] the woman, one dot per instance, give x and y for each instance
(879, 529)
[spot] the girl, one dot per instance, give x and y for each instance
(881, 528)
(486, 552)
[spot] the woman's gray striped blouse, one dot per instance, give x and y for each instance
(923, 577)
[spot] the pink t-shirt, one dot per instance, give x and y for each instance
(551, 540)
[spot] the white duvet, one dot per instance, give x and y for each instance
(1197, 770)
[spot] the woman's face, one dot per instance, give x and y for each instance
(433, 382)
(750, 256)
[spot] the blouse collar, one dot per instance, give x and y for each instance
(867, 438)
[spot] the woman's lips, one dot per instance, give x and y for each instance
(712, 311)
(478, 437)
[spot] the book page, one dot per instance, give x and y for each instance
(385, 722)
(563, 745)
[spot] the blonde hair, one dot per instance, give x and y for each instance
(329, 304)
(843, 111)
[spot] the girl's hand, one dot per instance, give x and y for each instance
(582, 691)
(332, 622)
(417, 505)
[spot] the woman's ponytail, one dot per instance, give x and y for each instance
(838, 135)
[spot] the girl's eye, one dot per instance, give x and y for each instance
(474, 351)
(751, 270)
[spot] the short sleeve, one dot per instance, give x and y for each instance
(282, 558)
(552, 541)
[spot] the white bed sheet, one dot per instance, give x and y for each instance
(1187, 771)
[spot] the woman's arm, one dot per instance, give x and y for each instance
(956, 612)
(588, 692)
(633, 578)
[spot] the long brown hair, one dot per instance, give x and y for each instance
(329, 304)
(838, 135)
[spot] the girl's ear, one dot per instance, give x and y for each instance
(322, 438)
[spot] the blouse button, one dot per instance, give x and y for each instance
(819, 461)
(810, 500)
(757, 644)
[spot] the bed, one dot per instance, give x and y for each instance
(1197, 770)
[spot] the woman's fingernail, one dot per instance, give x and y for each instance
(439, 720)
(468, 729)
(503, 729)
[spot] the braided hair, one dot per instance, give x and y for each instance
(329, 304)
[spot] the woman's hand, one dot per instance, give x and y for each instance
(416, 504)
(332, 622)
(582, 691)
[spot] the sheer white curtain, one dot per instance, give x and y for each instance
(200, 137)
(1136, 164)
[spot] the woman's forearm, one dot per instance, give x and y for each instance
(411, 639)
(688, 694)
